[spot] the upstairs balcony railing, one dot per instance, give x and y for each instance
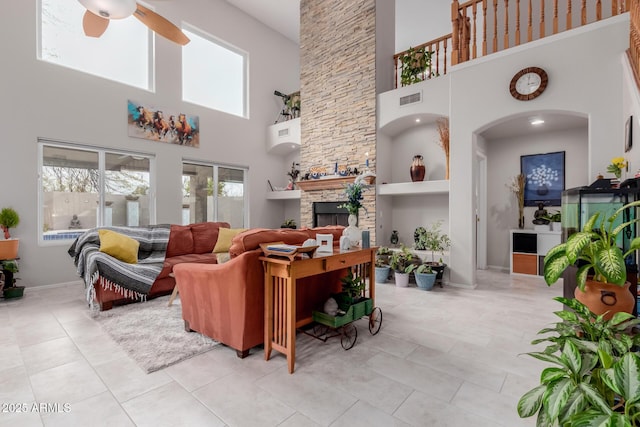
(483, 27)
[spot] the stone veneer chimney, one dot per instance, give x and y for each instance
(338, 94)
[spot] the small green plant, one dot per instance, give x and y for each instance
(596, 380)
(421, 269)
(9, 268)
(554, 217)
(414, 63)
(595, 245)
(9, 218)
(289, 223)
(353, 285)
(401, 259)
(383, 256)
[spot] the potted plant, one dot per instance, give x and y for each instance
(414, 64)
(596, 380)
(602, 269)
(382, 264)
(425, 277)
(289, 223)
(9, 218)
(352, 295)
(556, 220)
(400, 263)
(10, 290)
(435, 240)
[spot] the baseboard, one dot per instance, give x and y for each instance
(461, 285)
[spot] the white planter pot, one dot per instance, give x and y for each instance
(402, 279)
(556, 226)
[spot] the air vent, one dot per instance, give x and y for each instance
(411, 99)
(283, 132)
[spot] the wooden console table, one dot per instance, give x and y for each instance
(280, 293)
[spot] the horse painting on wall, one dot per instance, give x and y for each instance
(160, 124)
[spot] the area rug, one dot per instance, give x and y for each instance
(152, 333)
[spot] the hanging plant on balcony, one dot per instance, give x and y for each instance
(415, 63)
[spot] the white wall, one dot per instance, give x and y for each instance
(419, 21)
(44, 100)
(480, 96)
(503, 163)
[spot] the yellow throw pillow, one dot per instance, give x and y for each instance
(119, 246)
(225, 236)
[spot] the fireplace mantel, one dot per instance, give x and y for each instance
(330, 183)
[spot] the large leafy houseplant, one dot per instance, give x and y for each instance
(596, 246)
(596, 377)
(432, 239)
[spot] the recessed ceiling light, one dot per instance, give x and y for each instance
(536, 122)
(417, 120)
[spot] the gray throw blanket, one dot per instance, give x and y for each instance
(130, 280)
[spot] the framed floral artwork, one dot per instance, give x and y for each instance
(544, 175)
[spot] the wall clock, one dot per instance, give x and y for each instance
(528, 83)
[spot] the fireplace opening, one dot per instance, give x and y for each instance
(328, 213)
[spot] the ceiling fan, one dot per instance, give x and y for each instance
(99, 12)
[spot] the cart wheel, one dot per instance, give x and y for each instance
(320, 330)
(375, 320)
(349, 336)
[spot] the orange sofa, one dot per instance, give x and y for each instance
(191, 243)
(226, 301)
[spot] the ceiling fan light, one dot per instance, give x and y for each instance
(111, 9)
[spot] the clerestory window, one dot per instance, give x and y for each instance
(214, 74)
(123, 53)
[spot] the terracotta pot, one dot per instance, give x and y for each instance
(9, 249)
(602, 297)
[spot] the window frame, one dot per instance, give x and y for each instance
(245, 69)
(216, 166)
(101, 151)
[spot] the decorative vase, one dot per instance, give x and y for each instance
(542, 190)
(394, 237)
(521, 222)
(417, 169)
(402, 279)
(352, 231)
(607, 298)
(425, 281)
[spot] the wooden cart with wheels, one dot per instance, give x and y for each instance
(327, 326)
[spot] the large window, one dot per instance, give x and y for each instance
(200, 201)
(122, 53)
(214, 75)
(82, 188)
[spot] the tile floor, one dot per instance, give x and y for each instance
(450, 357)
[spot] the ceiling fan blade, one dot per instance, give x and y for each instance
(160, 25)
(94, 25)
